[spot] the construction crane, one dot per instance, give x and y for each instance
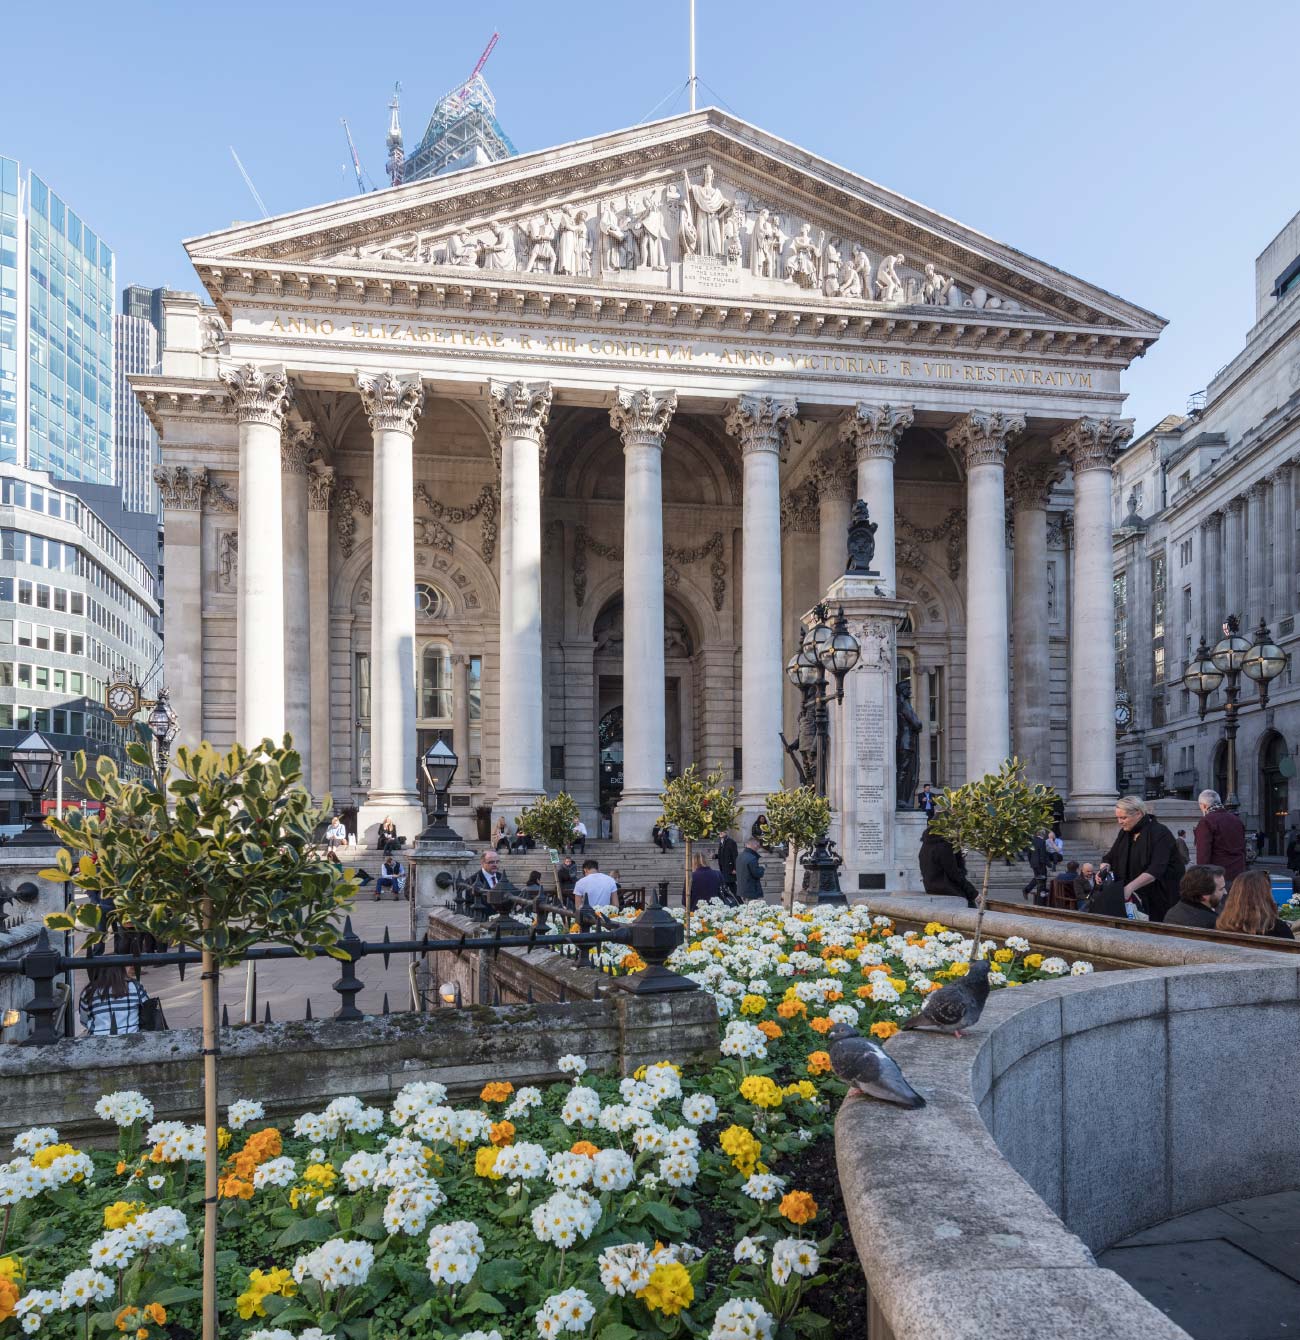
(364, 183)
(478, 69)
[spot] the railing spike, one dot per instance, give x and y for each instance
(385, 1010)
(225, 1016)
(180, 968)
(388, 939)
(307, 1016)
(266, 1018)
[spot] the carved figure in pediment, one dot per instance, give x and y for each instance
(213, 336)
(862, 264)
(765, 247)
(611, 237)
(404, 247)
(650, 230)
(801, 264)
(500, 253)
(704, 209)
(830, 264)
(539, 233)
(228, 561)
(889, 287)
(463, 249)
(570, 228)
(731, 238)
(934, 287)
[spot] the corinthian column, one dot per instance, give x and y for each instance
(832, 475)
(294, 447)
(1211, 576)
(393, 405)
(1234, 565)
(519, 413)
(873, 432)
(641, 417)
(1256, 554)
(981, 437)
(1090, 446)
(182, 490)
(262, 397)
(320, 484)
(1283, 539)
(759, 422)
(1030, 704)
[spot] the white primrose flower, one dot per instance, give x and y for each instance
(1055, 967)
(625, 1270)
(566, 1218)
(566, 1169)
(751, 1249)
(242, 1111)
(611, 1170)
(794, 1256)
(742, 1319)
(83, 1287)
(679, 1169)
(581, 1107)
(455, 1250)
(571, 1311)
(124, 1108)
(699, 1109)
(34, 1140)
(572, 1065)
(1079, 968)
(275, 1172)
(764, 1186)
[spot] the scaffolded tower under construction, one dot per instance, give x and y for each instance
(463, 132)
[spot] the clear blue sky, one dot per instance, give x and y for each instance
(1147, 146)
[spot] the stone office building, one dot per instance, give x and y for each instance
(551, 456)
(1205, 511)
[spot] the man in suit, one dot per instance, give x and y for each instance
(487, 876)
(728, 853)
(1037, 883)
(750, 872)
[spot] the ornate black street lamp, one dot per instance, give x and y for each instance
(162, 726)
(826, 652)
(36, 761)
(1233, 656)
(439, 766)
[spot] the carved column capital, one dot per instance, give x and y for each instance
(296, 442)
(833, 473)
(1030, 486)
(1213, 520)
(982, 436)
(1257, 490)
(260, 394)
(641, 416)
(1237, 504)
(519, 409)
(391, 402)
(874, 430)
(182, 489)
(759, 421)
(320, 485)
(1092, 444)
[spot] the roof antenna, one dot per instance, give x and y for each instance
(692, 80)
(248, 181)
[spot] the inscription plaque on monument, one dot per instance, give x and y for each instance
(709, 274)
(869, 740)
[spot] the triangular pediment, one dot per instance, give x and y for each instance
(702, 205)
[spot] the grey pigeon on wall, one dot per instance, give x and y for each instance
(956, 1006)
(867, 1068)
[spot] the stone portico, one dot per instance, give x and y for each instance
(551, 456)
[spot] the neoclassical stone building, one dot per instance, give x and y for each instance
(1205, 511)
(552, 456)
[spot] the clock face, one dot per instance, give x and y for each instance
(1122, 714)
(121, 700)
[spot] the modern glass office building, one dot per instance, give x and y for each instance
(56, 333)
(135, 441)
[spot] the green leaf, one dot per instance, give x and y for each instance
(173, 1294)
(616, 1331)
(479, 1301)
(503, 1275)
(316, 1229)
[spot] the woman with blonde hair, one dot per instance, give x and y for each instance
(1250, 908)
(1145, 858)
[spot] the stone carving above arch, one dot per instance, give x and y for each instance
(713, 549)
(483, 510)
(950, 532)
(607, 631)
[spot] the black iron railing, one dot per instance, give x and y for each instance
(653, 936)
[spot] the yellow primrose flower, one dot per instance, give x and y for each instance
(753, 1004)
(760, 1090)
(485, 1162)
(669, 1289)
(935, 928)
(121, 1212)
(1004, 955)
(320, 1174)
(1033, 960)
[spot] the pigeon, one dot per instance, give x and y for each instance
(867, 1068)
(956, 1006)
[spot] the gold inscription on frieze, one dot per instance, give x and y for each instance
(703, 353)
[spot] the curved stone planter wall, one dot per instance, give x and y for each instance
(1078, 1112)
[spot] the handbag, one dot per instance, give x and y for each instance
(152, 1018)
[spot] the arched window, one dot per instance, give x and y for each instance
(435, 683)
(430, 603)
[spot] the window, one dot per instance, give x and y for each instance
(6, 674)
(435, 683)
(60, 681)
(1119, 589)
(43, 596)
(24, 676)
(75, 681)
(363, 685)
(24, 593)
(76, 644)
(430, 603)
(1158, 619)
(24, 638)
(42, 637)
(60, 639)
(41, 679)
(1185, 553)
(60, 599)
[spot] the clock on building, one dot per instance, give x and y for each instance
(1123, 716)
(123, 700)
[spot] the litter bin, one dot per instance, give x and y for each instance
(483, 818)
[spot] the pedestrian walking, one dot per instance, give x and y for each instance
(750, 872)
(1038, 860)
(1220, 837)
(1184, 854)
(728, 855)
(943, 869)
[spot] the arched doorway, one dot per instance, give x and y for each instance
(679, 694)
(1276, 768)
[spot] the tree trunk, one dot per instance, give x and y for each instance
(211, 980)
(979, 916)
(686, 890)
(791, 876)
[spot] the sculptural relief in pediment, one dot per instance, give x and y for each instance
(692, 233)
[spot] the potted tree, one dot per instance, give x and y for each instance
(549, 820)
(997, 816)
(798, 817)
(703, 808)
(216, 859)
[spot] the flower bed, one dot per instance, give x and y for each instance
(662, 1204)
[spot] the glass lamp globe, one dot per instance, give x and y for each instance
(841, 653)
(806, 664)
(1202, 676)
(1230, 652)
(1265, 660)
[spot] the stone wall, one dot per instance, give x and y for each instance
(15, 991)
(298, 1066)
(1077, 1112)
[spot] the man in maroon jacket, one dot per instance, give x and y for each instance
(1220, 837)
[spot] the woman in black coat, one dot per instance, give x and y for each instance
(943, 869)
(1144, 858)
